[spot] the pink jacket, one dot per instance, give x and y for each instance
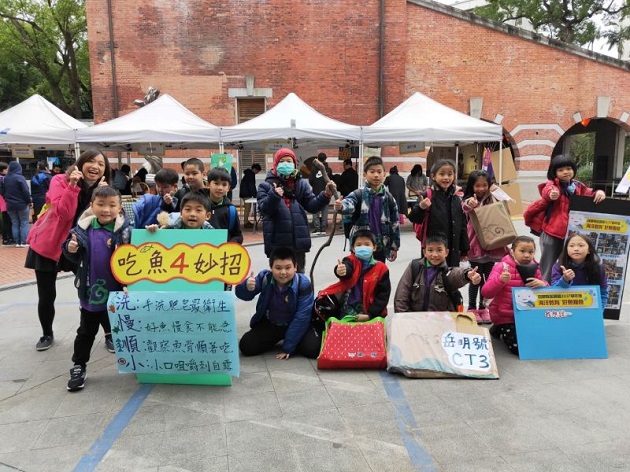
(476, 252)
(501, 309)
(557, 224)
(52, 229)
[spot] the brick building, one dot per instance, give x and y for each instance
(230, 60)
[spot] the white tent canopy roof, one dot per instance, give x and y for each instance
(163, 121)
(421, 119)
(291, 118)
(37, 121)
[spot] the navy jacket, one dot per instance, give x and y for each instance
(39, 186)
(287, 225)
(14, 188)
(301, 305)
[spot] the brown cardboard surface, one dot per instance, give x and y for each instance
(508, 171)
(513, 189)
(438, 345)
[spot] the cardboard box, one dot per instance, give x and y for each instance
(507, 169)
(513, 189)
(439, 344)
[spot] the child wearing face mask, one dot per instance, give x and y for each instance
(283, 200)
(364, 288)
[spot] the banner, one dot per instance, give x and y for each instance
(559, 323)
(174, 332)
(607, 224)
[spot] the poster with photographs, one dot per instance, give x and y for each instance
(608, 226)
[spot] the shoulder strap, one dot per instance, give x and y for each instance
(454, 294)
(232, 222)
(415, 269)
(357, 208)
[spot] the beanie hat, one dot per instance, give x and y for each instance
(280, 153)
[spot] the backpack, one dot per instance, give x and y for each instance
(536, 214)
(421, 228)
(454, 294)
(233, 217)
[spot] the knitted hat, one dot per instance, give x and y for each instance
(280, 153)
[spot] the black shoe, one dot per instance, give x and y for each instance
(78, 375)
(44, 343)
(248, 225)
(495, 332)
(109, 344)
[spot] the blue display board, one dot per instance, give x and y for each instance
(555, 323)
(174, 332)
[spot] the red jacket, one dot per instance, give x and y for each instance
(557, 223)
(371, 280)
(52, 229)
(501, 309)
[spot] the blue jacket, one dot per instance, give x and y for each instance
(148, 207)
(14, 188)
(122, 235)
(287, 225)
(39, 186)
(301, 304)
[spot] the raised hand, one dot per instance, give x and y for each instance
(251, 282)
(102, 182)
(473, 276)
(341, 269)
(505, 275)
(424, 203)
(567, 274)
(167, 199)
(75, 176)
(278, 189)
(338, 204)
(554, 194)
(599, 196)
(472, 202)
(73, 244)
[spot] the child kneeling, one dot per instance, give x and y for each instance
(429, 284)
(283, 311)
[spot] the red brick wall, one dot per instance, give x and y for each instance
(328, 53)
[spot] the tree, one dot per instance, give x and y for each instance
(50, 36)
(616, 37)
(574, 22)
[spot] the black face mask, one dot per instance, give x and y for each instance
(527, 271)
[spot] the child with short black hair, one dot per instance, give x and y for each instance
(429, 284)
(579, 264)
(557, 192)
(283, 311)
(505, 275)
(99, 231)
(375, 209)
(224, 213)
(194, 215)
(194, 174)
(147, 208)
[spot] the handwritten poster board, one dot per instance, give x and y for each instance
(607, 224)
(559, 323)
(439, 344)
(174, 332)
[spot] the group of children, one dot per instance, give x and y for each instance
(286, 309)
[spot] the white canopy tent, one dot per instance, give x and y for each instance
(36, 121)
(293, 121)
(422, 119)
(164, 121)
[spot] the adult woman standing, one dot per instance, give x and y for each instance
(68, 196)
(416, 181)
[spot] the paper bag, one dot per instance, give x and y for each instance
(439, 344)
(493, 225)
(353, 345)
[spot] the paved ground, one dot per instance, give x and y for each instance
(288, 416)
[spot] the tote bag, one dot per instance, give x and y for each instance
(353, 345)
(493, 225)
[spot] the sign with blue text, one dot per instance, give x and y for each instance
(559, 323)
(174, 332)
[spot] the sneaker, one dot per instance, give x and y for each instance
(109, 344)
(78, 375)
(44, 343)
(484, 314)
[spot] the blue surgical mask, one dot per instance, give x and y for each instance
(285, 168)
(363, 252)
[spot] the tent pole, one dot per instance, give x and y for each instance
(77, 150)
(360, 169)
(500, 162)
(456, 163)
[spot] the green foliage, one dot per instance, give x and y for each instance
(574, 22)
(45, 41)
